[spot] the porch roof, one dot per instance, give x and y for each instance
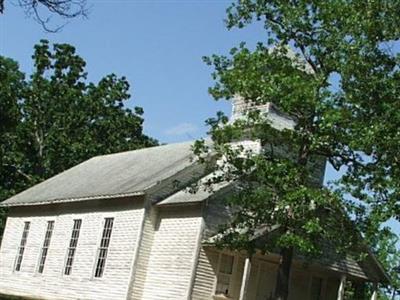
(370, 269)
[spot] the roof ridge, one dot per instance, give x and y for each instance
(143, 149)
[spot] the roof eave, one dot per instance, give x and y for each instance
(384, 274)
(79, 199)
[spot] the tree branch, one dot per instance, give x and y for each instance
(66, 9)
(19, 171)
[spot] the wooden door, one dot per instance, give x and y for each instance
(266, 281)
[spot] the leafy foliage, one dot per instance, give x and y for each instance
(328, 65)
(385, 247)
(56, 119)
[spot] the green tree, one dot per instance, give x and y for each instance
(386, 249)
(56, 119)
(11, 85)
(332, 71)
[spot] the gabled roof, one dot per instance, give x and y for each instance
(108, 176)
(187, 196)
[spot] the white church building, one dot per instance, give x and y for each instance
(119, 227)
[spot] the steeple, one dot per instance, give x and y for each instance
(279, 120)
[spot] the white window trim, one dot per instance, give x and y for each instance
(232, 276)
(68, 243)
(99, 237)
(14, 265)
(46, 220)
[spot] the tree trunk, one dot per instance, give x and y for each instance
(283, 276)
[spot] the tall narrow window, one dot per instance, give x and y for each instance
(21, 248)
(224, 274)
(72, 246)
(46, 244)
(103, 249)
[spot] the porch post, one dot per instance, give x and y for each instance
(341, 287)
(375, 292)
(245, 279)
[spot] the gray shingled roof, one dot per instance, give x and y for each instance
(115, 175)
(185, 196)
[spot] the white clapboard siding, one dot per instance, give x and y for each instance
(52, 284)
(137, 286)
(173, 255)
(206, 275)
(206, 271)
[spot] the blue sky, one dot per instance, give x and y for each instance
(157, 45)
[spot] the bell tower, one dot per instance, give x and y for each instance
(279, 121)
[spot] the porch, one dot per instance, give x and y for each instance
(224, 275)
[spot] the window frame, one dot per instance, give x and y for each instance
(22, 244)
(100, 247)
(44, 250)
(67, 262)
(235, 260)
